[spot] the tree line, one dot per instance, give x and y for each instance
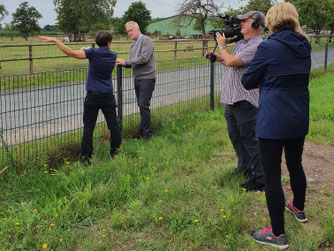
(80, 17)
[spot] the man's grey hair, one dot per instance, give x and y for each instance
(132, 22)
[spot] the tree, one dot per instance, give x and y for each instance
(313, 14)
(50, 28)
(82, 16)
(259, 5)
(137, 12)
(3, 12)
(198, 10)
(25, 19)
(331, 19)
(9, 27)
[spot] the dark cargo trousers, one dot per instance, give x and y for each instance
(241, 119)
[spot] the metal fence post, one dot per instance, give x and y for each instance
(30, 59)
(212, 85)
(326, 57)
(120, 97)
(175, 50)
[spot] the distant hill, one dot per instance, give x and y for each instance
(166, 27)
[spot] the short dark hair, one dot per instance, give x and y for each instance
(103, 37)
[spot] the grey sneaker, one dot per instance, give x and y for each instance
(300, 215)
(266, 236)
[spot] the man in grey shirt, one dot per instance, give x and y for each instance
(241, 105)
(142, 62)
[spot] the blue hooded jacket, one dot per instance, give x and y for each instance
(281, 68)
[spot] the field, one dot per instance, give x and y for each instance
(174, 192)
(162, 52)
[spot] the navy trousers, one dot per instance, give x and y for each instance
(93, 103)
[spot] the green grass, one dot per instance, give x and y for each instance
(322, 110)
(174, 192)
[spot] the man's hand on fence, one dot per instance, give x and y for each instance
(120, 61)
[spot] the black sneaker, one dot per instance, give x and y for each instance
(252, 185)
(85, 160)
(266, 236)
(113, 153)
(300, 215)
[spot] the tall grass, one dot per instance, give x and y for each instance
(174, 192)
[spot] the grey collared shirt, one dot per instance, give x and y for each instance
(232, 90)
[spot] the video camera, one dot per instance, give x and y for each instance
(233, 30)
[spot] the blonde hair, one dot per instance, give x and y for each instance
(281, 16)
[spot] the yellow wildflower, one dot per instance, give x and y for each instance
(45, 165)
(244, 189)
(221, 210)
(67, 163)
(196, 220)
(232, 200)
(60, 240)
(44, 245)
(46, 171)
(190, 133)
(52, 225)
(141, 157)
(160, 218)
(224, 216)
(147, 178)
(103, 235)
(103, 229)
(160, 201)
(135, 139)
(4, 218)
(166, 191)
(17, 224)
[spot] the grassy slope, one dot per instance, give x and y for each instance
(182, 175)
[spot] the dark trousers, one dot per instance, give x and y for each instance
(93, 103)
(240, 118)
(144, 89)
(271, 155)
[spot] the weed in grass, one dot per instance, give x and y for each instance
(328, 227)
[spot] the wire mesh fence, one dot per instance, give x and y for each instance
(47, 107)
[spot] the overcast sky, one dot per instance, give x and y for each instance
(158, 8)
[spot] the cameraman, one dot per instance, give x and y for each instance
(241, 104)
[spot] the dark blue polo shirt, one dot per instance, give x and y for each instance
(101, 64)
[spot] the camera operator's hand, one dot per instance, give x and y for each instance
(221, 39)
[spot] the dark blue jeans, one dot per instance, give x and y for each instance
(271, 155)
(93, 103)
(241, 118)
(144, 89)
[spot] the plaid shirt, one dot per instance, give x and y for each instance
(232, 89)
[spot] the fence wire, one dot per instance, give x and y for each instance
(48, 107)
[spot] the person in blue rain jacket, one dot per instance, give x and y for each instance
(280, 69)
